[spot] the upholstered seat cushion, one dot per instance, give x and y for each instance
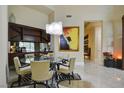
(25, 70)
(61, 66)
(68, 67)
(63, 70)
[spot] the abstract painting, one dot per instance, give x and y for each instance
(69, 40)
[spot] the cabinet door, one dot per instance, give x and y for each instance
(48, 37)
(31, 38)
(30, 34)
(45, 37)
(14, 32)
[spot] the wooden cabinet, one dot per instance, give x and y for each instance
(45, 37)
(32, 34)
(17, 32)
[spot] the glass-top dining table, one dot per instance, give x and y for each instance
(54, 63)
(28, 60)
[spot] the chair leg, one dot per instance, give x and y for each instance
(57, 84)
(73, 75)
(69, 78)
(19, 80)
(56, 75)
(34, 84)
(47, 84)
(52, 80)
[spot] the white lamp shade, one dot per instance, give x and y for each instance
(54, 28)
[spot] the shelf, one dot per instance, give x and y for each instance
(86, 41)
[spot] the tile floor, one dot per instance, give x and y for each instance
(98, 76)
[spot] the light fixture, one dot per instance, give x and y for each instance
(54, 28)
(68, 16)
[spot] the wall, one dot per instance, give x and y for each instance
(107, 37)
(117, 29)
(80, 14)
(98, 44)
(117, 44)
(28, 16)
(51, 19)
(3, 46)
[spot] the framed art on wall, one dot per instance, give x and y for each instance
(69, 40)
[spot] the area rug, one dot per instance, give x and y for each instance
(75, 76)
(28, 83)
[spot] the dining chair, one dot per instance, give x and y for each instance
(21, 70)
(40, 72)
(68, 70)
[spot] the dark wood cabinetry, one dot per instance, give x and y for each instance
(32, 34)
(19, 32)
(45, 37)
(23, 33)
(15, 32)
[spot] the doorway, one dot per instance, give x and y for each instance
(93, 42)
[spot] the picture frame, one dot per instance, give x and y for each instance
(69, 40)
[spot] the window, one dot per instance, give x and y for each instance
(28, 45)
(43, 46)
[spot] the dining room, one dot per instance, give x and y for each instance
(30, 50)
(41, 56)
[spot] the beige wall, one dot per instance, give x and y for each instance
(3, 46)
(51, 19)
(80, 14)
(28, 16)
(106, 14)
(117, 14)
(117, 44)
(98, 44)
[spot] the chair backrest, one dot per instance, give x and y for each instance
(17, 64)
(40, 70)
(71, 64)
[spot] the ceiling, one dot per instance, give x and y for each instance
(46, 9)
